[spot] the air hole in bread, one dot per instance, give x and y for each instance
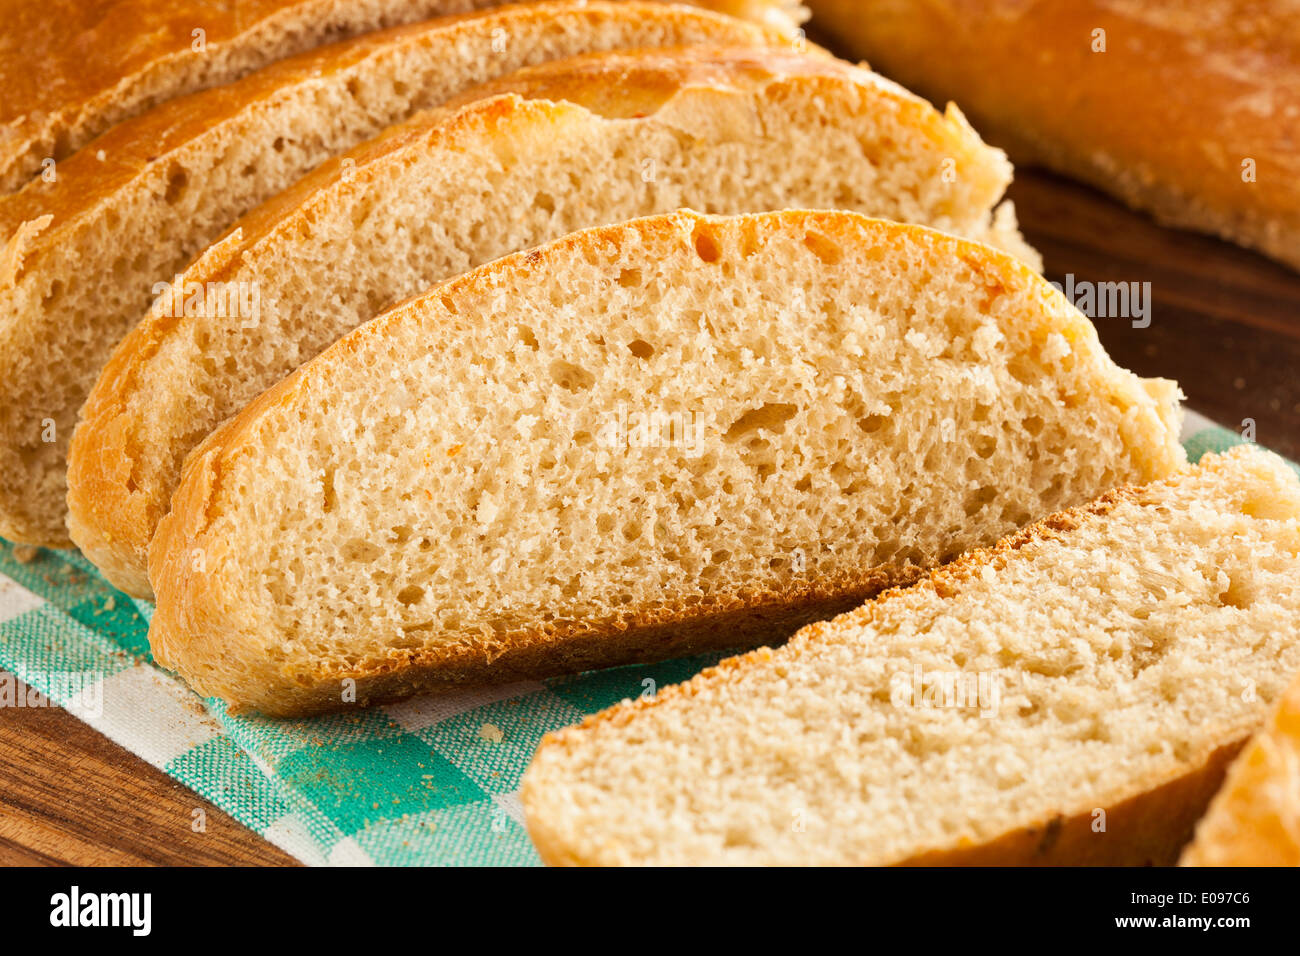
(411, 594)
(1240, 593)
(706, 246)
(1024, 370)
(329, 497)
(771, 416)
(629, 278)
(177, 180)
(573, 378)
(361, 551)
(823, 248)
(641, 349)
(976, 501)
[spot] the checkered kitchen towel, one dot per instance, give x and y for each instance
(428, 781)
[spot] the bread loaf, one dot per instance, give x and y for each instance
(559, 147)
(1185, 109)
(87, 253)
(1070, 696)
(1255, 819)
(70, 69)
(635, 442)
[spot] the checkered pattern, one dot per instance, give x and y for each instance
(428, 781)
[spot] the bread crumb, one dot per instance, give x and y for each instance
(1056, 347)
(25, 553)
(491, 733)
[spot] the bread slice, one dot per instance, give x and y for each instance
(89, 252)
(556, 148)
(1070, 696)
(1186, 110)
(638, 441)
(1255, 819)
(70, 69)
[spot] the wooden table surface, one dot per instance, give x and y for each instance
(1225, 323)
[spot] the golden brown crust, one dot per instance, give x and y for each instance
(197, 622)
(73, 68)
(114, 511)
(622, 85)
(1148, 827)
(1255, 819)
(131, 147)
(1164, 118)
(534, 655)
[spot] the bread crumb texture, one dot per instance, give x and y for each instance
(552, 149)
(663, 421)
(1131, 639)
(83, 256)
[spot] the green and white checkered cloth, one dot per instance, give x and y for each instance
(428, 781)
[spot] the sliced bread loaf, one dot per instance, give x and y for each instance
(638, 441)
(87, 253)
(559, 147)
(1255, 819)
(1073, 695)
(70, 69)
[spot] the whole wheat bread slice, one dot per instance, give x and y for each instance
(70, 69)
(1073, 695)
(558, 147)
(637, 441)
(1254, 819)
(88, 253)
